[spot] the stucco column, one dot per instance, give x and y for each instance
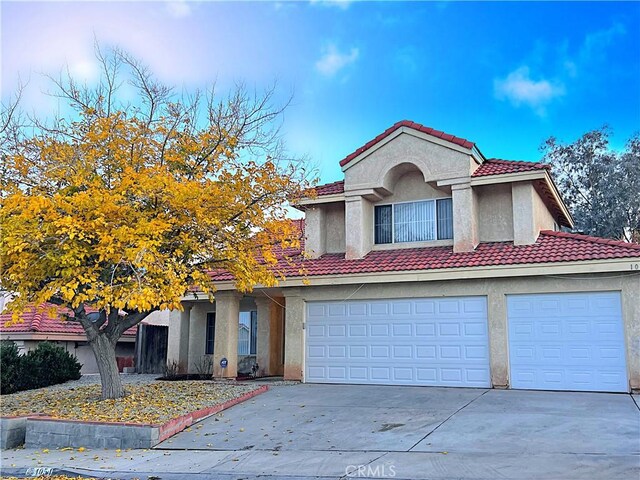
(226, 340)
(183, 341)
(294, 337)
(358, 227)
(266, 311)
(197, 334)
(173, 347)
(315, 232)
(631, 316)
(465, 218)
(498, 338)
(524, 227)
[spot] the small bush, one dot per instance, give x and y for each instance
(9, 366)
(48, 364)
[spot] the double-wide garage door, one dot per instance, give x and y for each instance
(425, 341)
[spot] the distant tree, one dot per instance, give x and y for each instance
(600, 186)
(120, 205)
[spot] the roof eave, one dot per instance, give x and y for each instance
(452, 274)
(558, 198)
(334, 197)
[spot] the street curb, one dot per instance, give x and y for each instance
(128, 475)
(178, 424)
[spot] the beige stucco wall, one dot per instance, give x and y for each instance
(411, 186)
(524, 225)
(315, 232)
(542, 216)
(465, 217)
(436, 162)
(495, 290)
(406, 167)
(495, 212)
(334, 227)
(359, 227)
(530, 214)
(197, 329)
(294, 335)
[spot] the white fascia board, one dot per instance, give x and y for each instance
(337, 197)
(508, 178)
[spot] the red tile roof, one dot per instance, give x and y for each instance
(551, 247)
(330, 188)
(416, 126)
(39, 320)
(494, 166)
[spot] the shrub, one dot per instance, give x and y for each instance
(9, 366)
(48, 364)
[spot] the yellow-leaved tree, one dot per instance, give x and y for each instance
(117, 209)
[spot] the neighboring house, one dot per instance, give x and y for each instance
(430, 264)
(44, 324)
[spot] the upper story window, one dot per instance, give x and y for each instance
(414, 221)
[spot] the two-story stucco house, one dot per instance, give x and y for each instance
(433, 265)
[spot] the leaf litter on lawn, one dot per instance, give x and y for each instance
(152, 403)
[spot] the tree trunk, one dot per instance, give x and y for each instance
(105, 353)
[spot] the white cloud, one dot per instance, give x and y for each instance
(520, 89)
(332, 60)
(178, 8)
(595, 44)
(341, 4)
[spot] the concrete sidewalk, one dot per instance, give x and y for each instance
(314, 464)
(331, 431)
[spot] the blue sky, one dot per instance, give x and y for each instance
(505, 75)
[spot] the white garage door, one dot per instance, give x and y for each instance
(422, 341)
(567, 341)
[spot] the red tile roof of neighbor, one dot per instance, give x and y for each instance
(39, 320)
(416, 126)
(551, 247)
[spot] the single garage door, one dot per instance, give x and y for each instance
(567, 341)
(422, 341)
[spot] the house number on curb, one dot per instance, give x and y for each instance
(224, 362)
(39, 471)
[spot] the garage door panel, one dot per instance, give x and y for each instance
(573, 354)
(401, 308)
(404, 342)
(567, 342)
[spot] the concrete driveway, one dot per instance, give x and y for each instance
(413, 432)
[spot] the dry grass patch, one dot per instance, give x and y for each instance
(152, 403)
